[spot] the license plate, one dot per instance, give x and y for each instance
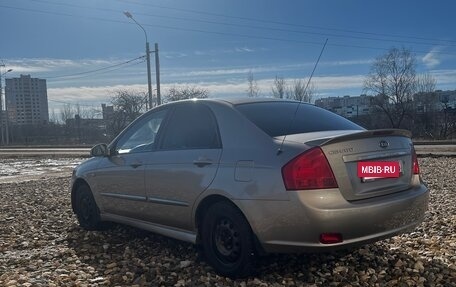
(372, 170)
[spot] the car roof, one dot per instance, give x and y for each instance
(238, 101)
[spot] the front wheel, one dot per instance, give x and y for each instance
(227, 240)
(86, 209)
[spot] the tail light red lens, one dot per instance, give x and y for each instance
(309, 170)
(415, 165)
(330, 238)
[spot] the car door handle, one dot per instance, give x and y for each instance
(201, 162)
(136, 164)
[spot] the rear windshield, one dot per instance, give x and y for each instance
(276, 118)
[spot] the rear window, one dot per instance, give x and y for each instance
(275, 118)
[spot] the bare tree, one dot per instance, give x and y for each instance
(392, 79)
(53, 118)
(279, 87)
(86, 112)
(252, 89)
(128, 105)
(188, 92)
(67, 112)
(297, 91)
(425, 106)
(90, 112)
(425, 83)
(131, 103)
(446, 120)
(437, 117)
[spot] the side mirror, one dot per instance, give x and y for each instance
(99, 150)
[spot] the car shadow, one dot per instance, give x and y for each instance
(367, 265)
(139, 256)
(126, 255)
(115, 238)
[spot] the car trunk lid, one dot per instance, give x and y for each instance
(346, 149)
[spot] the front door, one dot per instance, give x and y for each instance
(120, 177)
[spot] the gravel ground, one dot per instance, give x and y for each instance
(42, 245)
(22, 169)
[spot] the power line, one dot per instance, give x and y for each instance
(215, 32)
(246, 26)
(70, 103)
(263, 27)
(291, 31)
(64, 14)
(82, 74)
(283, 39)
(268, 21)
(82, 105)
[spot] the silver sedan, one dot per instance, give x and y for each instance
(242, 177)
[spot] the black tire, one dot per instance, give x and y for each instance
(86, 209)
(227, 241)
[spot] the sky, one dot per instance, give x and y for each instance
(88, 49)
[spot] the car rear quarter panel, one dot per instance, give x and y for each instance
(250, 166)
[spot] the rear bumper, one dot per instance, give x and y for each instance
(296, 225)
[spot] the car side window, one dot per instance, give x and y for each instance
(192, 126)
(142, 136)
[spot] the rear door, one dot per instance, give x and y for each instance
(184, 164)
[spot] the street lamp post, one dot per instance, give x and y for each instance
(149, 82)
(157, 74)
(1, 108)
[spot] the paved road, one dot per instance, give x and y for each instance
(32, 152)
(436, 149)
(84, 152)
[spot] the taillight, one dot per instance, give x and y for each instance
(415, 165)
(330, 238)
(309, 170)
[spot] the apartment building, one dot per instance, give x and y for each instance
(347, 106)
(436, 101)
(26, 100)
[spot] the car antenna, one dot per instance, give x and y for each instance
(279, 151)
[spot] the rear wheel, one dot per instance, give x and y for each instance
(227, 240)
(86, 209)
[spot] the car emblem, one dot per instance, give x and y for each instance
(383, 144)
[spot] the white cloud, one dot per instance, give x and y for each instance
(174, 55)
(88, 94)
(101, 94)
(238, 87)
(223, 71)
(223, 51)
(227, 81)
(243, 70)
(444, 77)
(348, 62)
(49, 68)
(322, 83)
(27, 69)
(199, 53)
(325, 85)
(50, 65)
(244, 49)
(432, 59)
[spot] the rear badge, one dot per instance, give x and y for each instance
(343, 150)
(383, 144)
